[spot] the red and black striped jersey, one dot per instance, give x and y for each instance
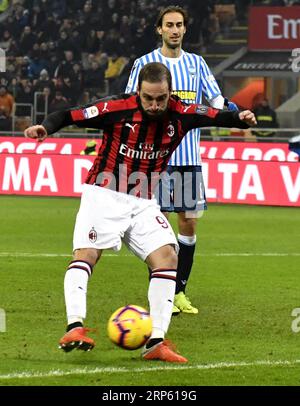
(136, 147)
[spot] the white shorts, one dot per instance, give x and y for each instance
(106, 217)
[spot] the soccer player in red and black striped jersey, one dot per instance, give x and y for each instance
(140, 132)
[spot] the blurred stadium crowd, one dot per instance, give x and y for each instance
(74, 51)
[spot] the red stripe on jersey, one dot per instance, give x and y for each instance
(149, 140)
(77, 115)
(104, 107)
(112, 151)
(146, 141)
(108, 152)
(129, 162)
(111, 106)
(161, 162)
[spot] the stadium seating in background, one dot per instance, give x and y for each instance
(226, 14)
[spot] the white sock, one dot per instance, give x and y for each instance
(75, 286)
(185, 239)
(161, 295)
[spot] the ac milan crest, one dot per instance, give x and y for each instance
(93, 235)
(170, 130)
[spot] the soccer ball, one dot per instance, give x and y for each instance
(130, 327)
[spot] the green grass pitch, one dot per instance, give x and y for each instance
(245, 281)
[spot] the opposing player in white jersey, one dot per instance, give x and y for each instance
(191, 77)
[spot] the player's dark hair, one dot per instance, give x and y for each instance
(155, 72)
(172, 9)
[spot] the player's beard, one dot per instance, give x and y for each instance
(149, 116)
(155, 116)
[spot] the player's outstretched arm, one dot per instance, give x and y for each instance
(37, 132)
(88, 116)
(51, 124)
(196, 116)
(248, 117)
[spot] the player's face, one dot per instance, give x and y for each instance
(154, 98)
(172, 30)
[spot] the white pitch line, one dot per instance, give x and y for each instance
(32, 255)
(85, 371)
(254, 254)
(197, 254)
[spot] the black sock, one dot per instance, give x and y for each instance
(153, 341)
(185, 263)
(73, 325)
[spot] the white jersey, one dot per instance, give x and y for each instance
(190, 78)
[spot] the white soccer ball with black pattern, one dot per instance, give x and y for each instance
(130, 327)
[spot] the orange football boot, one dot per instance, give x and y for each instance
(163, 351)
(76, 338)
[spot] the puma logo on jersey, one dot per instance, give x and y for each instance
(186, 108)
(105, 108)
(130, 126)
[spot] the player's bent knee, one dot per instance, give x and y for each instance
(173, 259)
(89, 255)
(164, 257)
(170, 258)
